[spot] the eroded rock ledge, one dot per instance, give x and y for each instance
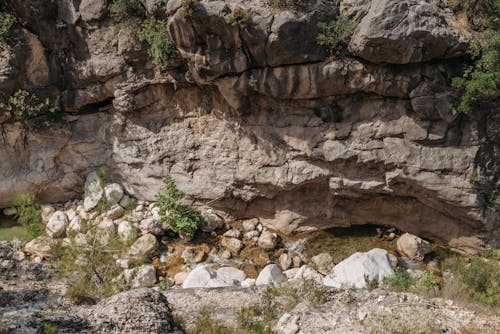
(257, 121)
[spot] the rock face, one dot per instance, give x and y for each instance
(359, 269)
(254, 120)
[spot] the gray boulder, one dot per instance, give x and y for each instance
(359, 269)
(205, 277)
(56, 227)
(271, 274)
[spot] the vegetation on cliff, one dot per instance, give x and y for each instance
(480, 81)
(7, 20)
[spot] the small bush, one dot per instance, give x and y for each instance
(239, 17)
(28, 213)
(476, 281)
(181, 218)
(335, 35)
(25, 108)
(161, 47)
(481, 14)
(254, 320)
(188, 8)
(48, 328)
(7, 20)
(205, 324)
(90, 270)
(401, 280)
(126, 12)
(480, 82)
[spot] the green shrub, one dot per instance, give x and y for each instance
(181, 218)
(28, 213)
(401, 280)
(335, 35)
(480, 81)
(48, 328)
(161, 47)
(481, 14)
(238, 17)
(7, 20)
(478, 280)
(25, 108)
(205, 324)
(126, 12)
(188, 8)
(90, 270)
(254, 320)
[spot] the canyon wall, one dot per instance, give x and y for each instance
(256, 120)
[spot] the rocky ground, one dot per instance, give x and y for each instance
(27, 306)
(239, 274)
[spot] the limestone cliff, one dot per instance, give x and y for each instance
(256, 119)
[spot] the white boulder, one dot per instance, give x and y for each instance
(248, 282)
(205, 277)
(125, 231)
(359, 269)
(57, 225)
(113, 192)
(140, 277)
(271, 274)
(233, 273)
(93, 191)
(75, 225)
(268, 240)
(146, 245)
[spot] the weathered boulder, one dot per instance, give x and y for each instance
(285, 261)
(205, 277)
(268, 240)
(211, 221)
(180, 277)
(126, 231)
(135, 311)
(271, 274)
(146, 245)
(56, 226)
(114, 212)
(140, 277)
(360, 269)
(413, 247)
(105, 231)
(231, 244)
(75, 226)
(114, 193)
(47, 212)
(93, 191)
(323, 262)
(153, 226)
(40, 246)
(407, 32)
(233, 273)
(307, 273)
